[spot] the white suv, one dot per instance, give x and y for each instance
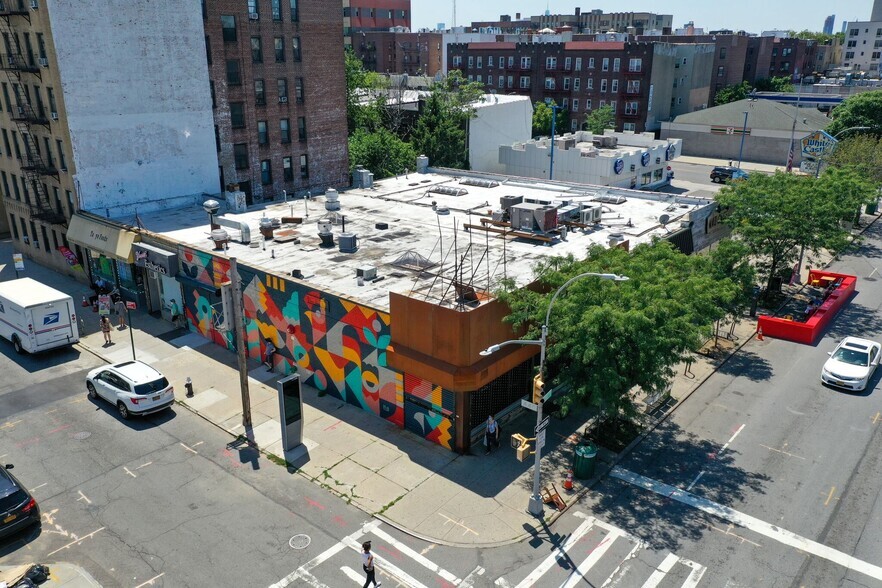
(133, 386)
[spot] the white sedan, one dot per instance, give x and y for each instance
(851, 364)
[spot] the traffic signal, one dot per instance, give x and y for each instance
(538, 388)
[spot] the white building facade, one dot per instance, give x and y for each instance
(863, 48)
(499, 120)
(624, 160)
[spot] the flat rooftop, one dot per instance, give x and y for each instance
(402, 225)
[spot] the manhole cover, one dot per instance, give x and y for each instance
(299, 541)
(82, 435)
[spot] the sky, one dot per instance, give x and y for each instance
(751, 15)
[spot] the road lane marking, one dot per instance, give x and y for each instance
(198, 444)
(695, 575)
(559, 552)
(725, 447)
(732, 438)
(417, 557)
(84, 537)
(577, 575)
(352, 575)
(622, 569)
(469, 581)
(40, 486)
(386, 567)
(877, 418)
(695, 481)
(728, 531)
(189, 449)
(830, 496)
(144, 465)
(746, 521)
(150, 581)
(787, 453)
(83, 497)
(9, 424)
(661, 571)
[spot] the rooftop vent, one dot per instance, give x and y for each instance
(413, 261)
(449, 190)
(332, 199)
(479, 183)
(608, 199)
(348, 242)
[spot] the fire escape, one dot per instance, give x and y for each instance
(18, 68)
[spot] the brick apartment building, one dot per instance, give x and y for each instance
(400, 52)
(277, 94)
(578, 75)
(593, 21)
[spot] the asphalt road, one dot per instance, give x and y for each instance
(798, 464)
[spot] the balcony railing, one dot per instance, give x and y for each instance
(28, 114)
(38, 167)
(13, 7)
(17, 63)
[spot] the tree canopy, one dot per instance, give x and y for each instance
(359, 82)
(775, 215)
(732, 93)
(774, 84)
(380, 151)
(819, 37)
(860, 110)
(608, 337)
(600, 119)
(542, 115)
(861, 152)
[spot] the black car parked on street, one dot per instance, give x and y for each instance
(18, 509)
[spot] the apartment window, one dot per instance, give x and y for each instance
(28, 49)
(565, 103)
(575, 105)
(551, 63)
(6, 97)
(549, 83)
(605, 66)
(480, 78)
(50, 93)
(262, 134)
(471, 78)
(612, 105)
(636, 64)
(15, 144)
(577, 84)
(256, 50)
(295, 12)
(304, 166)
(568, 63)
(471, 61)
(259, 93)
(266, 172)
(217, 143)
(602, 103)
(34, 235)
(24, 230)
(282, 84)
(295, 45)
(511, 61)
(41, 46)
(301, 128)
(629, 127)
(279, 46)
(490, 61)
(617, 64)
(589, 84)
(5, 184)
(849, 55)
(287, 169)
(509, 81)
(298, 89)
(208, 49)
(50, 161)
(566, 84)
(234, 76)
(15, 189)
(252, 8)
(603, 85)
(480, 61)
(526, 62)
(14, 227)
(54, 238)
(590, 63)
(788, 50)
(578, 64)
(633, 86)
(240, 155)
(228, 25)
(276, 6)
(721, 71)
(615, 86)
(57, 198)
(524, 82)
(722, 53)
(285, 130)
(62, 161)
(6, 143)
(237, 115)
(24, 190)
(500, 83)
(457, 60)
(875, 54)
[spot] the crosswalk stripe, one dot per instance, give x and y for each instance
(622, 569)
(598, 552)
(353, 575)
(387, 567)
(417, 557)
(661, 571)
(549, 561)
(470, 580)
(695, 575)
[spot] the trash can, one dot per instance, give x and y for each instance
(872, 206)
(583, 461)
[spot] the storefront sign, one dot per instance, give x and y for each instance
(101, 237)
(155, 259)
(818, 144)
(619, 165)
(644, 159)
(71, 257)
(18, 260)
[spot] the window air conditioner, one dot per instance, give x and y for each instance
(253, 16)
(53, 115)
(633, 167)
(658, 159)
(34, 4)
(283, 99)
(44, 61)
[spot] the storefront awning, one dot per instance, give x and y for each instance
(100, 237)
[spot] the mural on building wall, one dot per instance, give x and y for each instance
(428, 410)
(339, 347)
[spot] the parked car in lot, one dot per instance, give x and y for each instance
(134, 387)
(18, 509)
(724, 173)
(851, 364)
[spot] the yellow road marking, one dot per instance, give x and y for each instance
(877, 418)
(9, 424)
(830, 496)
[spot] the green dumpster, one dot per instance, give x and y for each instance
(871, 207)
(583, 461)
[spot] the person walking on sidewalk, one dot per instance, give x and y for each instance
(367, 564)
(120, 307)
(175, 312)
(491, 435)
(105, 328)
(270, 353)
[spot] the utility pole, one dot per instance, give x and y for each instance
(241, 342)
(743, 134)
(790, 153)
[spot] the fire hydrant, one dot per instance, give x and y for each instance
(188, 385)
(568, 483)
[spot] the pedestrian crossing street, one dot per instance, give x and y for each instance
(594, 554)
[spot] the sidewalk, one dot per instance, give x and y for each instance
(745, 165)
(64, 575)
(409, 482)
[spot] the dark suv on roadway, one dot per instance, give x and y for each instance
(18, 509)
(724, 173)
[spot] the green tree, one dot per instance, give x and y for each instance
(606, 338)
(542, 114)
(779, 84)
(821, 38)
(600, 119)
(860, 110)
(732, 93)
(359, 85)
(730, 260)
(861, 152)
(777, 215)
(380, 151)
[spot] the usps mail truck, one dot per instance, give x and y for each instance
(35, 317)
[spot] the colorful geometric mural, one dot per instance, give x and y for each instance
(339, 347)
(428, 410)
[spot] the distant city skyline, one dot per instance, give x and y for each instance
(753, 16)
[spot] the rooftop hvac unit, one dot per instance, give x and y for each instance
(368, 272)
(253, 16)
(533, 217)
(590, 214)
(508, 201)
(348, 242)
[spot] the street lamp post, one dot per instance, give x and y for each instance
(535, 507)
(743, 134)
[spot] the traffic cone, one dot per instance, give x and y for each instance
(759, 333)
(568, 483)
(85, 302)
